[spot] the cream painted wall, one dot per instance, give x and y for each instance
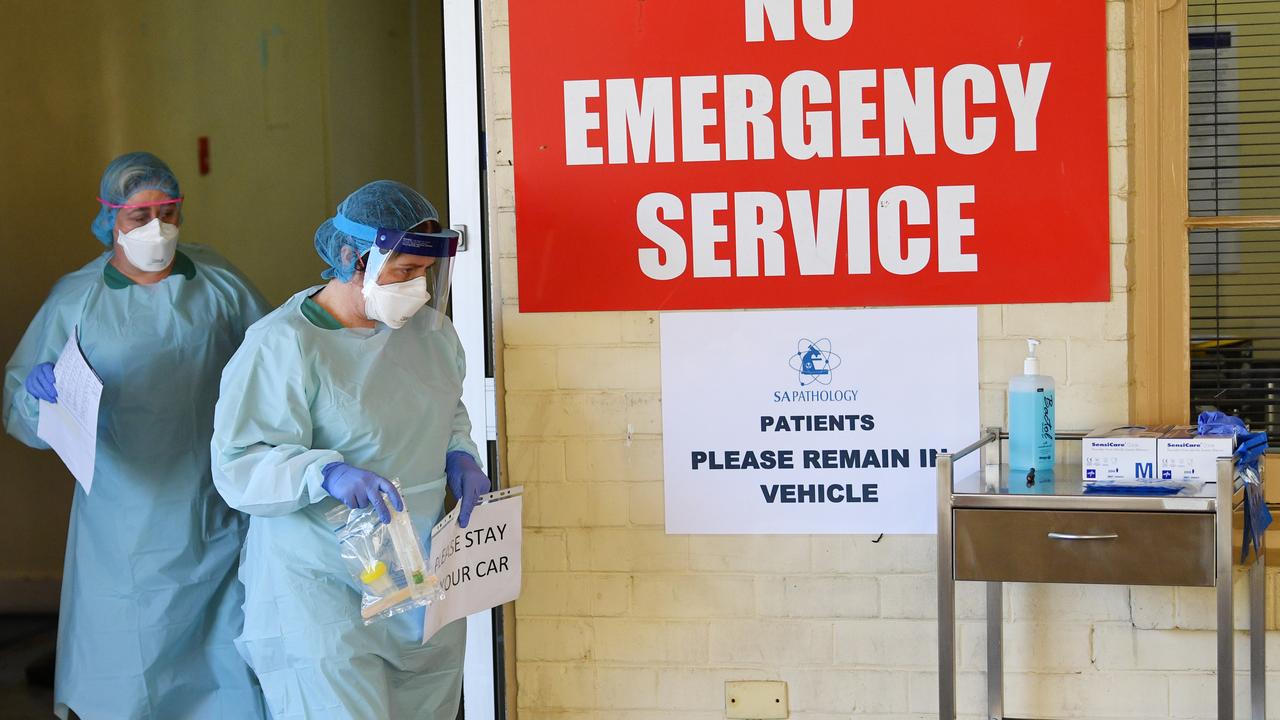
(302, 102)
(368, 91)
(52, 108)
(250, 76)
(382, 121)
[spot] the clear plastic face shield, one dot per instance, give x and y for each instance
(406, 271)
(135, 215)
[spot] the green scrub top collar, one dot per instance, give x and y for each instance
(116, 280)
(318, 316)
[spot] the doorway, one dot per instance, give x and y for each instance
(269, 113)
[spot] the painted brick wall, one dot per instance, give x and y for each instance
(617, 620)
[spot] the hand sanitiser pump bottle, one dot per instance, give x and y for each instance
(1031, 417)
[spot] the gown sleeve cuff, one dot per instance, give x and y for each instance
(24, 420)
(315, 477)
(463, 444)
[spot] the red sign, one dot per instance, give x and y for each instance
(672, 154)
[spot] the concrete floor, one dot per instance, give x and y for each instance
(25, 641)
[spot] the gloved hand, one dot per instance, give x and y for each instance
(467, 482)
(358, 488)
(40, 383)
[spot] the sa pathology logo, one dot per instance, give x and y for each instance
(814, 361)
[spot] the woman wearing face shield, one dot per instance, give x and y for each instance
(344, 386)
(150, 603)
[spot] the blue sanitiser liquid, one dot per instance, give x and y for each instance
(1032, 424)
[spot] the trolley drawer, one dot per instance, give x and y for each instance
(1127, 548)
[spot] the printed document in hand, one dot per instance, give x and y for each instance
(70, 426)
(479, 565)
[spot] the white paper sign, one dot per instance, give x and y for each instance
(478, 566)
(70, 426)
(822, 421)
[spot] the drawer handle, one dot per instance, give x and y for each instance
(1065, 536)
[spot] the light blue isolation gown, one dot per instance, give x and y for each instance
(150, 601)
(301, 393)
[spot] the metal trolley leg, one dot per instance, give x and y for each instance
(995, 651)
(1226, 624)
(1258, 634)
(946, 597)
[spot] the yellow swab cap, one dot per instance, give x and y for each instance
(372, 574)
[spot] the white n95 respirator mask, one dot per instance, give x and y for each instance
(151, 247)
(393, 305)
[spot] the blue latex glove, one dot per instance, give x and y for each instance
(1219, 423)
(358, 488)
(1250, 447)
(1117, 489)
(40, 383)
(467, 482)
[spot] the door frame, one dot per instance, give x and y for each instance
(488, 681)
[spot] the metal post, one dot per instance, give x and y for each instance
(995, 617)
(1272, 416)
(1258, 625)
(1258, 635)
(946, 595)
(996, 445)
(1226, 625)
(995, 651)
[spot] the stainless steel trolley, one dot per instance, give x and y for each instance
(992, 529)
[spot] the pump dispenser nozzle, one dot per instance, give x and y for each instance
(1032, 419)
(1031, 366)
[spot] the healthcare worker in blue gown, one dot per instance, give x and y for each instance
(150, 601)
(345, 386)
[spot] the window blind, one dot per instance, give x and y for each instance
(1233, 188)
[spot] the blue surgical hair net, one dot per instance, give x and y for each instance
(126, 176)
(380, 204)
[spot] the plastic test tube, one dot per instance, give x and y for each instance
(409, 554)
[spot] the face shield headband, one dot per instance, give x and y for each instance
(392, 290)
(130, 206)
(442, 244)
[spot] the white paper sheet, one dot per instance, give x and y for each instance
(814, 421)
(479, 566)
(70, 426)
